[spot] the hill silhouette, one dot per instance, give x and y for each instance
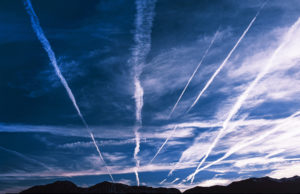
(104, 187)
(251, 185)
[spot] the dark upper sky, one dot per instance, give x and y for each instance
(42, 136)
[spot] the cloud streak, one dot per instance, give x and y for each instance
(142, 38)
(47, 47)
(240, 146)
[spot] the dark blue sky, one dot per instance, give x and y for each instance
(42, 138)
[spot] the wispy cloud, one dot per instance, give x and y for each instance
(215, 181)
(180, 96)
(245, 94)
(125, 87)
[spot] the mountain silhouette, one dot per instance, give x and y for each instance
(254, 185)
(104, 187)
(251, 185)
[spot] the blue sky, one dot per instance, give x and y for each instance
(99, 53)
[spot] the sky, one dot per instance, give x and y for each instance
(126, 64)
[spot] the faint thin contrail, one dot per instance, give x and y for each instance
(183, 91)
(240, 146)
(195, 71)
(226, 59)
(142, 38)
(245, 94)
(46, 45)
(161, 147)
(25, 157)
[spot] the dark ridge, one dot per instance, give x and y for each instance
(104, 187)
(254, 185)
(56, 187)
(251, 185)
(107, 187)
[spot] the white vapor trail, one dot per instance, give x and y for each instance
(161, 147)
(195, 71)
(245, 94)
(183, 91)
(245, 144)
(142, 38)
(138, 95)
(25, 157)
(46, 45)
(219, 69)
(175, 180)
(162, 181)
(226, 59)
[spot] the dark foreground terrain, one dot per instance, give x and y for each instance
(252, 185)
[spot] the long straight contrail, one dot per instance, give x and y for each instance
(195, 71)
(46, 45)
(183, 91)
(142, 38)
(24, 157)
(240, 146)
(245, 94)
(226, 59)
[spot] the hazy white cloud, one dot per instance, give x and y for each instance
(114, 157)
(125, 181)
(285, 171)
(215, 181)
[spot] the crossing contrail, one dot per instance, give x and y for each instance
(25, 157)
(142, 38)
(240, 146)
(226, 59)
(195, 71)
(46, 45)
(183, 91)
(245, 94)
